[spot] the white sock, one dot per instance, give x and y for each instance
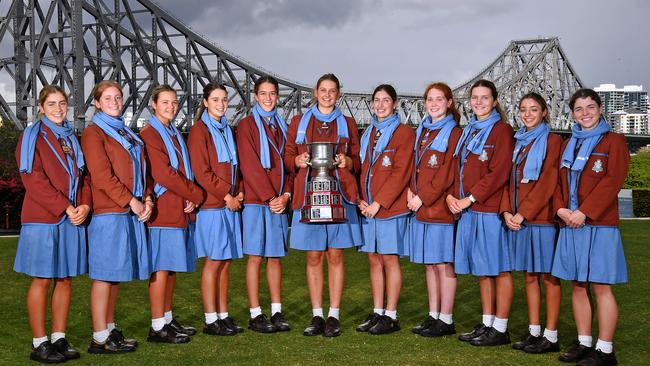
(56, 336)
(157, 324)
(535, 329)
(255, 312)
(446, 318)
(168, 317)
(378, 311)
(37, 341)
(391, 314)
(222, 315)
(334, 313)
(110, 326)
(317, 312)
(210, 318)
(604, 346)
(551, 335)
(585, 340)
(500, 324)
(101, 336)
(488, 319)
(434, 314)
(276, 307)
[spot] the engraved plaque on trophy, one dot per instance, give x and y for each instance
(323, 202)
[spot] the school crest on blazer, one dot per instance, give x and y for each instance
(598, 166)
(433, 161)
(483, 156)
(385, 162)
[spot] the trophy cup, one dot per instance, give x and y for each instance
(323, 202)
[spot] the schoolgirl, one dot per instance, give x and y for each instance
(261, 139)
(593, 167)
(171, 248)
(431, 233)
(122, 202)
(527, 210)
(484, 154)
(324, 122)
(52, 242)
(218, 235)
(386, 154)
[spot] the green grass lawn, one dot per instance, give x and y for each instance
(631, 343)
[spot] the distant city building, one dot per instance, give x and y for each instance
(619, 99)
(630, 121)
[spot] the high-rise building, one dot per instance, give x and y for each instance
(619, 99)
(630, 121)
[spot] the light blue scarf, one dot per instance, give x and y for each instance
(386, 128)
(476, 144)
(168, 133)
(111, 126)
(28, 145)
(222, 137)
(588, 139)
(258, 113)
(537, 152)
(336, 114)
(441, 142)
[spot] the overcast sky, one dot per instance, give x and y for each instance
(412, 42)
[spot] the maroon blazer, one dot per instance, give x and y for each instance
(168, 211)
(485, 179)
(261, 184)
(435, 178)
(600, 181)
(535, 198)
(348, 146)
(111, 171)
(47, 186)
(214, 177)
(390, 173)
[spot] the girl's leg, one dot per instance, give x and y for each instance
(335, 276)
(447, 279)
(376, 270)
(37, 305)
(393, 273)
(314, 272)
(253, 280)
(61, 304)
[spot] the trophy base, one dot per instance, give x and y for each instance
(322, 214)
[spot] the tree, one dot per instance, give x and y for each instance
(11, 186)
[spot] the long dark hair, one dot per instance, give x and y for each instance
(207, 90)
(495, 95)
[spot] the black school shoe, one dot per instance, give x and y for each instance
(118, 336)
(427, 323)
(491, 337)
(439, 329)
(261, 324)
(110, 346)
(230, 324)
(63, 347)
(598, 358)
(575, 353)
(167, 335)
(332, 327)
(478, 330)
(543, 346)
(315, 327)
(370, 322)
(178, 328)
(46, 353)
(280, 323)
(385, 325)
(218, 328)
(525, 341)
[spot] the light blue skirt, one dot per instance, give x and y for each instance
(265, 233)
(117, 248)
(533, 248)
(218, 234)
(482, 247)
(321, 237)
(385, 236)
(171, 249)
(590, 254)
(431, 243)
(51, 250)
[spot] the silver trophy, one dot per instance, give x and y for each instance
(323, 202)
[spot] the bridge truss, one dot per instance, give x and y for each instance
(77, 43)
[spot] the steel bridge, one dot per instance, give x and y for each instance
(77, 43)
